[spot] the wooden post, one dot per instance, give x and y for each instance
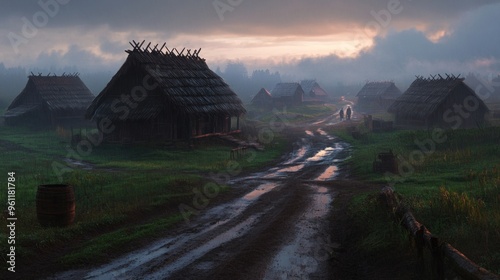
(437, 260)
(420, 243)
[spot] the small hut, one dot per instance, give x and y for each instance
(313, 92)
(50, 101)
(287, 94)
(161, 94)
(376, 96)
(439, 102)
(262, 99)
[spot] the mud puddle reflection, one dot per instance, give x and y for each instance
(300, 257)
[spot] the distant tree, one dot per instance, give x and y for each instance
(12, 80)
(265, 79)
(236, 75)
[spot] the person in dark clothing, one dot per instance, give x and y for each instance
(341, 114)
(348, 112)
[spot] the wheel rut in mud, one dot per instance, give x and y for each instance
(276, 230)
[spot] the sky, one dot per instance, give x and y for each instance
(330, 40)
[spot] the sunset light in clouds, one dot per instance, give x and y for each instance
(381, 39)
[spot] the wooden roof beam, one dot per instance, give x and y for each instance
(161, 49)
(140, 46)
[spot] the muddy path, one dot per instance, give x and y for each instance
(277, 228)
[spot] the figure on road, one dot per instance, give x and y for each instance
(341, 114)
(348, 112)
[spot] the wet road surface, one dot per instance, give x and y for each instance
(276, 230)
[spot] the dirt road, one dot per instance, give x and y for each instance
(276, 228)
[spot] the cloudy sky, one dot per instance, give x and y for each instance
(349, 40)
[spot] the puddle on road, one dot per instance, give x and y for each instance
(322, 154)
(328, 174)
(222, 214)
(310, 133)
(322, 190)
(282, 172)
(300, 153)
(294, 168)
(262, 189)
(298, 259)
(323, 133)
(235, 232)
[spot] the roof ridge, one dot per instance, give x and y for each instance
(137, 47)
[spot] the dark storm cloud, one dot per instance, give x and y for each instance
(264, 17)
(471, 47)
(401, 50)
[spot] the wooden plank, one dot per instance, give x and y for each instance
(424, 239)
(465, 267)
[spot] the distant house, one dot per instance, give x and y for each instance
(376, 96)
(262, 99)
(313, 93)
(287, 94)
(50, 101)
(439, 102)
(161, 95)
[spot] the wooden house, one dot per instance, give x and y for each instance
(376, 96)
(313, 92)
(439, 102)
(161, 94)
(287, 94)
(50, 101)
(262, 99)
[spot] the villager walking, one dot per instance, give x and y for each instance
(341, 114)
(348, 112)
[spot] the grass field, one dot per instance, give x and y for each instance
(295, 114)
(129, 193)
(451, 181)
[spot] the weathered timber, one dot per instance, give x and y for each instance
(439, 250)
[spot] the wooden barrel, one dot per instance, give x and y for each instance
(388, 162)
(55, 205)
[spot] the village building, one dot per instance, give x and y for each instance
(377, 96)
(262, 99)
(287, 95)
(161, 94)
(439, 102)
(313, 92)
(50, 101)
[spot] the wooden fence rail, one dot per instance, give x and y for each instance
(441, 252)
(237, 152)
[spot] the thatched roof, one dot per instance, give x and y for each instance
(425, 96)
(285, 89)
(312, 87)
(66, 92)
(379, 89)
(184, 82)
(263, 94)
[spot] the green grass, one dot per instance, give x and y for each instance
(454, 188)
(127, 182)
(293, 114)
(96, 249)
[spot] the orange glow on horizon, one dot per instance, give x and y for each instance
(277, 48)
